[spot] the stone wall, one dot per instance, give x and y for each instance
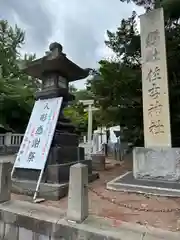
(23, 220)
(20, 220)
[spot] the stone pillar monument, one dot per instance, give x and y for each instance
(55, 71)
(157, 132)
(89, 103)
(156, 166)
(157, 159)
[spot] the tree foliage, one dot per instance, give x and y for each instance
(76, 111)
(151, 4)
(16, 89)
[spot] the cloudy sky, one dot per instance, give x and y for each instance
(79, 25)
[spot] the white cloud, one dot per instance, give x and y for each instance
(79, 25)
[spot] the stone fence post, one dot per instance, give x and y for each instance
(7, 139)
(5, 181)
(78, 193)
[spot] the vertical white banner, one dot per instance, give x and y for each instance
(157, 132)
(37, 140)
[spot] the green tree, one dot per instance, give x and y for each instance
(16, 88)
(78, 117)
(75, 111)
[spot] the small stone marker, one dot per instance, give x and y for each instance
(78, 193)
(5, 181)
(98, 162)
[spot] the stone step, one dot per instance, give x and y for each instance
(127, 183)
(48, 191)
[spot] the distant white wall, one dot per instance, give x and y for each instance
(113, 137)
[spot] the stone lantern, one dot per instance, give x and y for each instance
(55, 71)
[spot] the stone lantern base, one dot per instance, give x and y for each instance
(50, 190)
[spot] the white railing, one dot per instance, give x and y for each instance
(16, 139)
(11, 139)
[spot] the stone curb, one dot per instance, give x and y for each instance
(51, 221)
(132, 230)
